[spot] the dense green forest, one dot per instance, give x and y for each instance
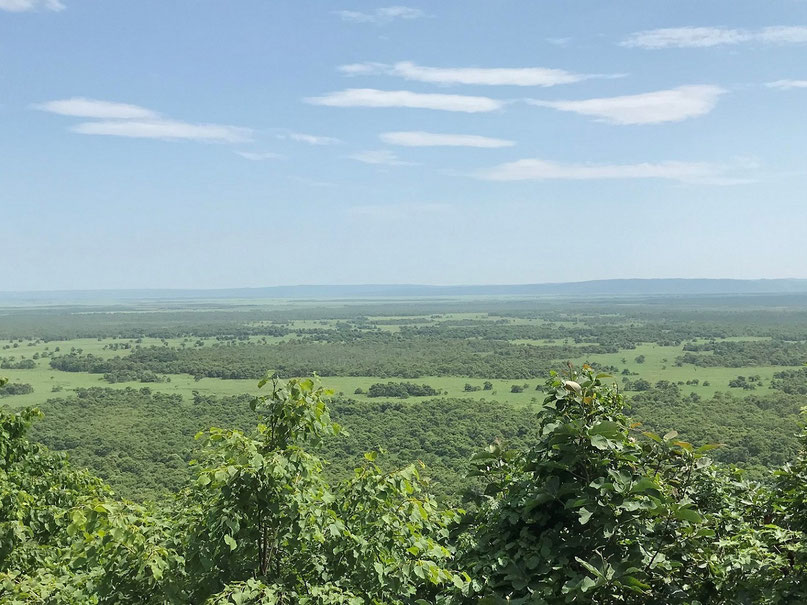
(591, 509)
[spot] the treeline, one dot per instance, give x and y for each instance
(15, 388)
(401, 390)
(757, 432)
(383, 357)
(793, 382)
(22, 364)
(50, 325)
(738, 354)
(593, 510)
(611, 337)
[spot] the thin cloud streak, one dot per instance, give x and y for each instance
(370, 97)
(165, 130)
(134, 121)
(787, 84)
(431, 139)
(83, 107)
(310, 139)
(381, 16)
(483, 76)
(21, 6)
(657, 107)
(535, 169)
(705, 37)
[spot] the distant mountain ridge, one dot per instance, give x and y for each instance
(604, 287)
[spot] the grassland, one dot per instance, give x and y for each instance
(659, 364)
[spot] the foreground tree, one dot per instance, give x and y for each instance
(260, 525)
(597, 511)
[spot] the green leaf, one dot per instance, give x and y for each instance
(608, 429)
(230, 541)
(652, 436)
(631, 581)
(688, 514)
(597, 573)
(584, 515)
(644, 484)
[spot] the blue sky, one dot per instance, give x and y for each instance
(247, 143)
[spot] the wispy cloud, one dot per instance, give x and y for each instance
(535, 169)
(398, 211)
(370, 97)
(20, 6)
(485, 76)
(559, 41)
(133, 121)
(311, 139)
(380, 157)
(783, 34)
(93, 108)
(432, 139)
(381, 16)
(259, 156)
(657, 107)
(787, 84)
(166, 130)
(703, 37)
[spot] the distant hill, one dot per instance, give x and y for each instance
(598, 288)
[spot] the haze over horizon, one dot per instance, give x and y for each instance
(654, 287)
(181, 145)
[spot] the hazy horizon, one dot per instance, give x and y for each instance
(617, 287)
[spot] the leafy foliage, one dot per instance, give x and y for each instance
(15, 388)
(594, 510)
(401, 390)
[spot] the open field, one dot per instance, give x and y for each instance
(659, 365)
(673, 358)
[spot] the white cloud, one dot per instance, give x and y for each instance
(19, 6)
(535, 169)
(398, 211)
(126, 120)
(165, 129)
(365, 69)
(787, 84)
(370, 97)
(486, 76)
(432, 139)
(258, 156)
(311, 139)
(381, 16)
(379, 157)
(656, 107)
(702, 37)
(783, 34)
(92, 108)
